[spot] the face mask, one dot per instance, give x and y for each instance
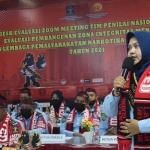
(55, 102)
(91, 103)
(79, 107)
(26, 113)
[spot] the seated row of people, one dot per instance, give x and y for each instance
(10, 129)
(25, 116)
(28, 114)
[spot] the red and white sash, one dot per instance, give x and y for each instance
(95, 120)
(71, 116)
(53, 114)
(34, 123)
(95, 117)
(141, 106)
(4, 130)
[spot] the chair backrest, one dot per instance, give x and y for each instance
(50, 128)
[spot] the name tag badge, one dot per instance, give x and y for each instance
(53, 138)
(111, 139)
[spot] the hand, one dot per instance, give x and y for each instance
(118, 82)
(131, 127)
(111, 131)
(77, 134)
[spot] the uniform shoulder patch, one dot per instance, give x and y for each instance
(12, 122)
(57, 120)
(15, 129)
(38, 114)
(103, 116)
(63, 119)
(18, 114)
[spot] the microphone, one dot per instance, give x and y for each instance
(126, 66)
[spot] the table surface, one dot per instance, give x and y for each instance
(78, 143)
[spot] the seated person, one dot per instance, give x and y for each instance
(106, 128)
(9, 109)
(100, 121)
(93, 106)
(31, 118)
(10, 129)
(25, 93)
(71, 123)
(57, 107)
(94, 111)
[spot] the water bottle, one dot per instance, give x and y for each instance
(96, 138)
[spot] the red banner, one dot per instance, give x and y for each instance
(79, 45)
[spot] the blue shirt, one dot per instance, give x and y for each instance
(38, 130)
(104, 122)
(76, 124)
(92, 110)
(111, 109)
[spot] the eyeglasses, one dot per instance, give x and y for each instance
(79, 101)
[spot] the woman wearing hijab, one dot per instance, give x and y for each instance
(133, 106)
(57, 107)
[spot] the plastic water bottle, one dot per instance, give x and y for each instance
(96, 138)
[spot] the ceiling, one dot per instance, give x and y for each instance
(18, 4)
(21, 4)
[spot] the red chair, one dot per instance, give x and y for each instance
(50, 128)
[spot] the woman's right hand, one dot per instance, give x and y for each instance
(118, 82)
